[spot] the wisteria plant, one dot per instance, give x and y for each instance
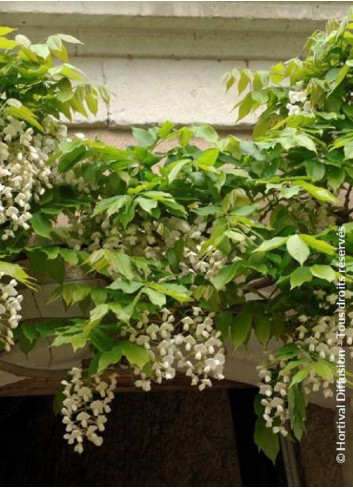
(194, 250)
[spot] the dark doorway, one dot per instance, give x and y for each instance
(182, 438)
(255, 468)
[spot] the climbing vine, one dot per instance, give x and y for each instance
(194, 251)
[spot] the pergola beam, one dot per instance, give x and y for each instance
(47, 383)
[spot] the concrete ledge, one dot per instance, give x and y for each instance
(219, 30)
(300, 16)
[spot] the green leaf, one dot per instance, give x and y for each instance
(300, 376)
(6, 30)
(298, 249)
(111, 357)
(240, 329)
(121, 263)
(56, 269)
(287, 351)
(324, 369)
(323, 271)
(127, 287)
(165, 129)
(207, 159)
(57, 48)
(234, 236)
(42, 225)
(348, 151)
(244, 80)
(225, 275)
(246, 106)
(155, 297)
(272, 244)
(69, 159)
(341, 75)
(318, 244)
(112, 205)
(263, 329)
(208, 133)
(261, 78)
(289, 192)
(74, 292)
(92, 102)
(266, 440)
(185, 135)
(71, 72)
(306, 142)
(300, 276)
(77, 341)
(175, 168)
(69, 39)
(52, 252)
(144, 138)
(99, 296)
(223, 323)
(208, 210)
(101, 340)
(147, 204)
(244, 210)
(137, 355)
(96, 315)
(29, 331)
(277, 73)
(41, 50)
(104, 93)
(297, 409)
(335, 176)
(178, 292)
(167, 200)
(70, 256)
(124, 313)
(58, 400)
(7, 43)
(319, 193)
(25, 114)
(315, 170)
(17, 272)
(47, 328)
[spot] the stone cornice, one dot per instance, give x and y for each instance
(300, 16)
(208, 30)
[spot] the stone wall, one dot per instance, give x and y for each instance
(166, 60)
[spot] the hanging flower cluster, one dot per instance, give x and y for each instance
(85, 407)
(190, 344)
(10, 311)
(24, 170)
(24, 177)
(299, 102)
(310, 357)
(151, 240)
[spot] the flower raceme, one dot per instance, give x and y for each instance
(24, 171)
(85, 406)
(10, 308)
